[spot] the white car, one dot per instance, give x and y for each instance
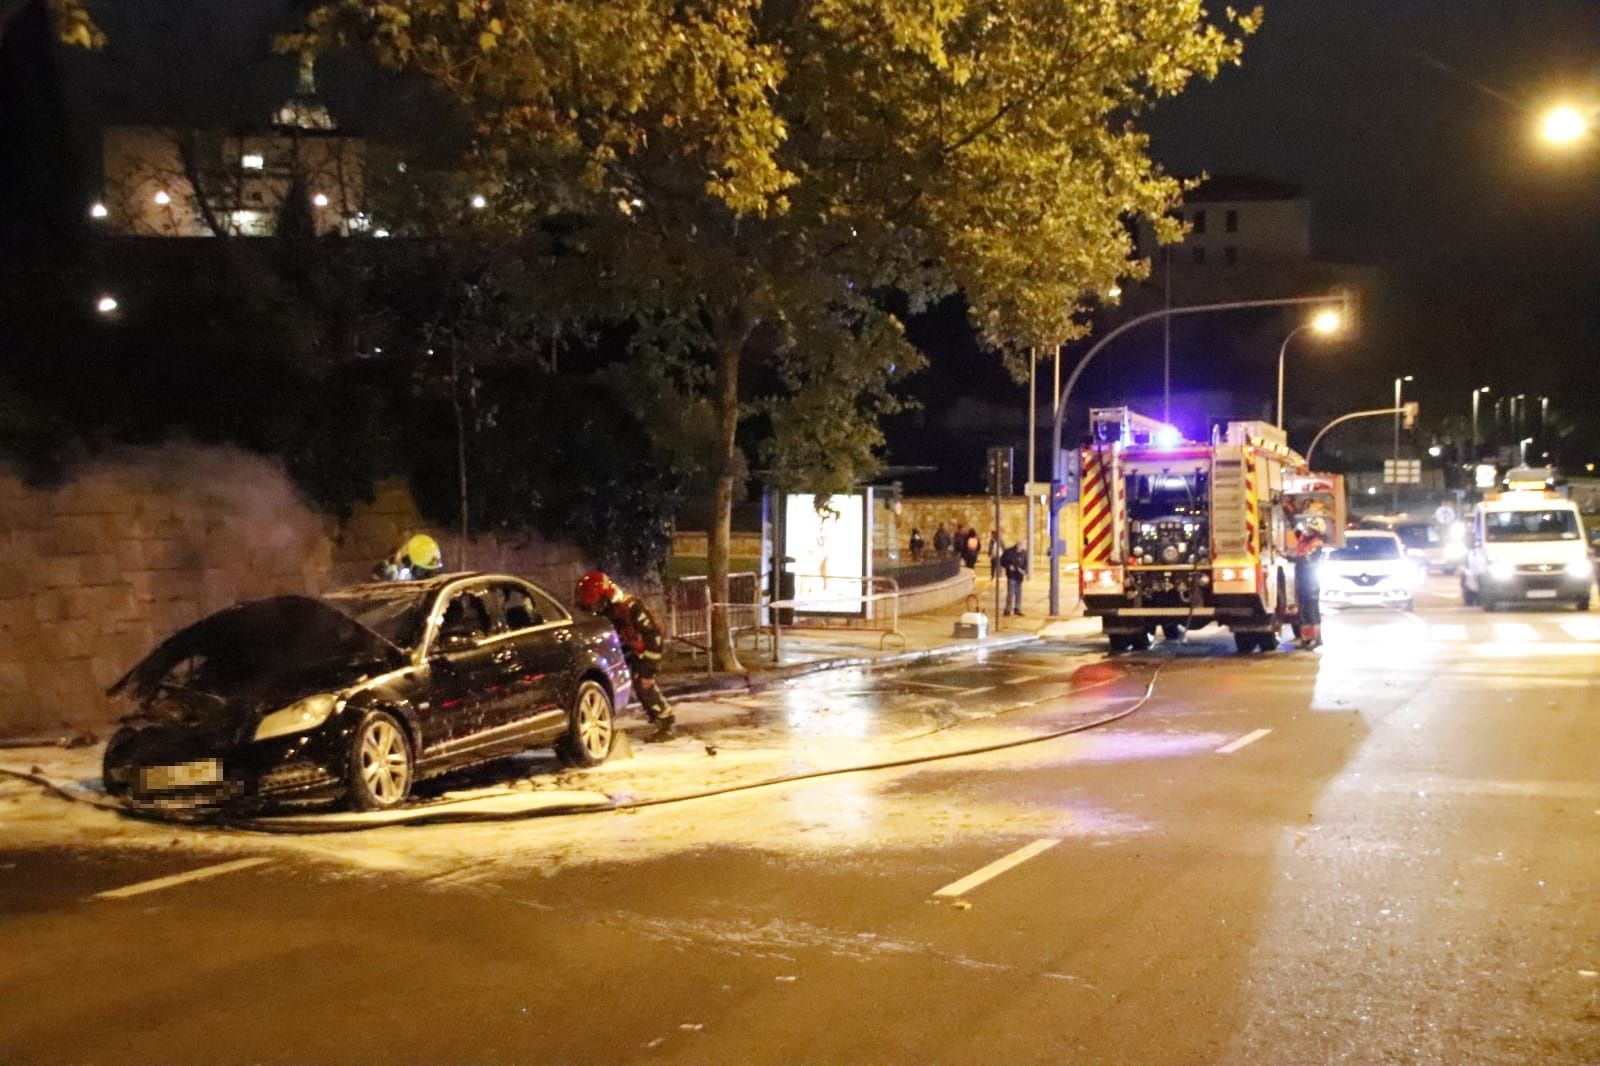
(1371, 570)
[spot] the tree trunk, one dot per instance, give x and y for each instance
(719, 535)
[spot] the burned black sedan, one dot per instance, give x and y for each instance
(360, 693)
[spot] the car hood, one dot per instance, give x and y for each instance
(265, 653)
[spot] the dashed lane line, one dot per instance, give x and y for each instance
(201, 874)
(1249, 738)
(996, 868)
(977, 691)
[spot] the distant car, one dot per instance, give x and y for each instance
(1371, 570)
(1443, 548)
(360, 693)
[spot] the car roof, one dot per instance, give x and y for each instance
(432, 584)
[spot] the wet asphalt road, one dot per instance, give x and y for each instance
(1387, 851)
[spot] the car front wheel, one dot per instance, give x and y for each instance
(380, 766)
(590, 727)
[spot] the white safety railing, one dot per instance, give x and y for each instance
(876, 603)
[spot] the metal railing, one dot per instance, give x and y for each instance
(826, 609)
(689, 608)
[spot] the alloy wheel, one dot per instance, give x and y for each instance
(385, 763)
(594, 722)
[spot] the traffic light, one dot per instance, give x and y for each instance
(999, 472)
(1408, 415)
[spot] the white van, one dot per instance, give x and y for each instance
(1527, 547)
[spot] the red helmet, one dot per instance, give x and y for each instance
(595, 588)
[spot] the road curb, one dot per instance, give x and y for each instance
(755, 680)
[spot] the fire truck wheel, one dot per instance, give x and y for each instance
(1118, 641)
(1249, 642)
(1173, 630)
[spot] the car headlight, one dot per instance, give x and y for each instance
(298, 717)
(1502, 571)
(1580, 568)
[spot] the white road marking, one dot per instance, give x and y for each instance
(1249, 738)
(1023, 679)
(996, 868)
(177, 879)
(1587, 629)
(931, 684)
(1515, 631)
(1447, 631)
(976, 691)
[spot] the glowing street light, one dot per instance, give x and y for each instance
(106, 304)
(479, 202)
(321, 199)
(1563, 125)
(161, 198)
(1326, 323)
(98, 210)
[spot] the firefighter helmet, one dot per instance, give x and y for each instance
(423, 553)
(595, 589)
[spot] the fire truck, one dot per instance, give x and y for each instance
(1176, 535)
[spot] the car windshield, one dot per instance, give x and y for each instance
(1530, 525)
(1363, 548)
(1417, 535)
(256, 645)
(1155, 496)
(397, 613)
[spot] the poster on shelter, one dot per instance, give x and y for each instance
(828, 548)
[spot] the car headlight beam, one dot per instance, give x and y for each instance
(1502, 571)
(1580, 568)
(299, 717)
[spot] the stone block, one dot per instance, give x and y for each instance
(13, 678)
(54, 573)
(101, 569)
(130, 555)
(54, 606)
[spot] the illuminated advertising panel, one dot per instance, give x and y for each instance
(829, 551)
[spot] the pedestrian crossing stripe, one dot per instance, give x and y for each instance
(1576, 630)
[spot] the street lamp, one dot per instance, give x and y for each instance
(1563, 125)
(1475, 394)
(1326, 323)
(106, 305)
(1394, 490)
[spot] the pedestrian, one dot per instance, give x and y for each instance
(916, 544)
(1308, 586)
(942, 540)
(1014, 561)
(996, 549)
(969, 548)
(642, 643)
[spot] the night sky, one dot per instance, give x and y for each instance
(1407, 122)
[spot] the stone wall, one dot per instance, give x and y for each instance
(134, 547)
(924, 513)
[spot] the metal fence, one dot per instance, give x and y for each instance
(689, 608)
(876, 601)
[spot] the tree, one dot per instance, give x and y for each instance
(749, 178)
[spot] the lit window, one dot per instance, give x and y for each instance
(321, 199)
(252, 161)
(162, 198)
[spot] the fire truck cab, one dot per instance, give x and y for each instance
(1176, 535)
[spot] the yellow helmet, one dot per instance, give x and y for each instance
(423, 553)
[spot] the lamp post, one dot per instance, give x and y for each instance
(1064, 392)
(1564, 125)
(1476, 393)
(1327, 323)
(1394, 489)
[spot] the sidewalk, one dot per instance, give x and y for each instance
(927, 635)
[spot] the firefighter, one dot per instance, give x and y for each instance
(1308, 585)
(417, 559)
(642, 643)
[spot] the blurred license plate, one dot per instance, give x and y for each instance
(181, 775)
(1541, 594)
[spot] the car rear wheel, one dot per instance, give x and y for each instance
(1244, 643)
(1581, 605)
(590, 728)
(1140, 640)
(380, 764)
(1173, 630)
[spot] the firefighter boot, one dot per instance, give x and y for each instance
(658, 710)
